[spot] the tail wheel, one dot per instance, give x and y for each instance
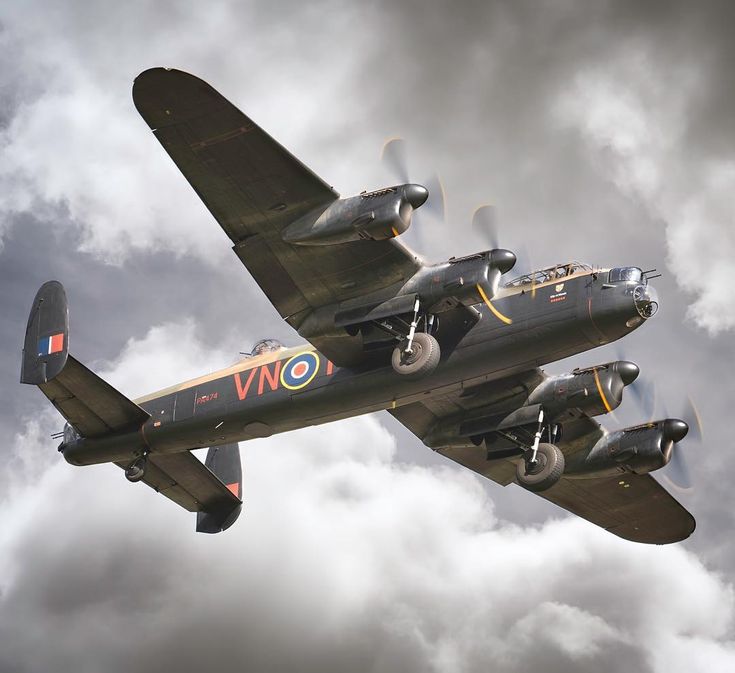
(421, 361)
(544, 472)
(136, 470)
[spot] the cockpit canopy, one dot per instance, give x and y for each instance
(266, 346)
(551, 273)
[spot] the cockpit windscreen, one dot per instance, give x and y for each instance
(551, 273)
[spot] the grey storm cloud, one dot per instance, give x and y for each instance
(601, 131)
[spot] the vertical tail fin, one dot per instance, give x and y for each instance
(46, 346)
(224, 462)
(85, 400)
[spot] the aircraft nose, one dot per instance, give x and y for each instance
(628, 371)
(416, 195)
(645, 298)
(675, 430)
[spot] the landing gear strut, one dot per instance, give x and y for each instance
(136, 470)
(419, 353)
(543, 463)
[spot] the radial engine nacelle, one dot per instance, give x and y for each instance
(385, 213)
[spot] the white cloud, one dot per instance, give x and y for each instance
(168, 354)
(78, 142)
(574, 631)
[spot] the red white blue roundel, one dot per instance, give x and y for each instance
(299, 370)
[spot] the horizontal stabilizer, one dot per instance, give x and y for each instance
(91, 404)
(213, 490)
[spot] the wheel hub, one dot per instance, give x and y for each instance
(415, 354)
(537, 465)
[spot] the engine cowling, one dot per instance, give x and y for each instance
(596, 390)
(385, 213)
(461, 279)
(639, 449)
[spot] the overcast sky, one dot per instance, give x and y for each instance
(602, 131)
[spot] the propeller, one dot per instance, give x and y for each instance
(688, 424)
(485, 224)
(644, 393)
(394, 156)
(524, 265)
(642, 390)
(484, 219)
(693, 420)
(678, 473)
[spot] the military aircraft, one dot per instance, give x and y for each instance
(452, 350)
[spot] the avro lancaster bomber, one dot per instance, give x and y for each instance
(452, 350)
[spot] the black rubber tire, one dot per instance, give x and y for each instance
(422, 362)
(136, 470)
(548, 471)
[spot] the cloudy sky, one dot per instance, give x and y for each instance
(602, 131)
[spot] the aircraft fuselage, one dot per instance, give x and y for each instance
(297, 387)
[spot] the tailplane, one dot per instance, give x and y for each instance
(105, 420)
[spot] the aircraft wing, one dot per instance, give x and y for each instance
(254, 188)
(633, 507)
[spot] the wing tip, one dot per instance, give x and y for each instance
(654, 535)
(164, 95)
(158, 71)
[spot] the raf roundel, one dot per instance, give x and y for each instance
(299, 370)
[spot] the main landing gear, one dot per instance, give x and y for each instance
(418, 353)
(417, 359)
(136, 470)
(543, 472)
(543, 463)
